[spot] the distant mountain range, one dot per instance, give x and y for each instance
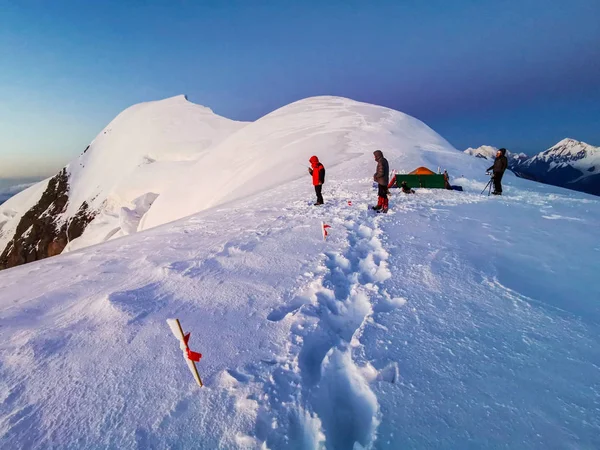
(570, 163)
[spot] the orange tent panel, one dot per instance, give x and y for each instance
(422, 171)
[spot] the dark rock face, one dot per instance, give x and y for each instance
(39, 234)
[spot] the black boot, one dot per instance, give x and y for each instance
(379, 204)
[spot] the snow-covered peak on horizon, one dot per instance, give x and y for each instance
(489, 152)
(570, 151)
(569, 163)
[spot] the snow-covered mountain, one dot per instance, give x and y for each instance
(570, 163)
(488, 152)
(456, 320)
(160, 161)
(107, 189)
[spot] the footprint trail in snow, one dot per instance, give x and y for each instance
(322, 384)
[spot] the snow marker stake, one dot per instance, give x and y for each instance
(191, 358)
(324, 227)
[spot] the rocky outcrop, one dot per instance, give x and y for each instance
(43, 231)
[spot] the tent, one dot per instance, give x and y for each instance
(422, 171)
(421, 177)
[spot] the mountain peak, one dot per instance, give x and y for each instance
(568, 143)
(570, 149)
(489, 152)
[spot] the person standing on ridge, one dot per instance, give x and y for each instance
(498, 168)
(317, 171)
(382, 178)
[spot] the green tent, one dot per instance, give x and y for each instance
(421, 178)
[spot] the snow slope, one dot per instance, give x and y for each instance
(132, 160)
(455, 321)
(121, 160)
(9, 188)
(136, 157)
(13, 209)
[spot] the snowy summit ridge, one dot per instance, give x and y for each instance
(268, 152)
(186, 159)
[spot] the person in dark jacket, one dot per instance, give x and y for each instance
(498, 168)
(317, 171)
(382, 178)
(406, 189)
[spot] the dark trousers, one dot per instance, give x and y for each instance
(382, 191)
(498, 181)
(318, 189)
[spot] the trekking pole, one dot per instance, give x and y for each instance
(490, 186)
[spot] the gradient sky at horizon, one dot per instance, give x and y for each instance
(518, 74)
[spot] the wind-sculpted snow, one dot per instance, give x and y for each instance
(455, 321)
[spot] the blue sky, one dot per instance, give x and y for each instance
(519, 74)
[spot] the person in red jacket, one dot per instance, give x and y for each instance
(317, 172)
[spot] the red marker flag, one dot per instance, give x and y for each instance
(324, 227)
(191, 358)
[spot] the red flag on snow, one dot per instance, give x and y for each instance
(191, 358)
(324, 227)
